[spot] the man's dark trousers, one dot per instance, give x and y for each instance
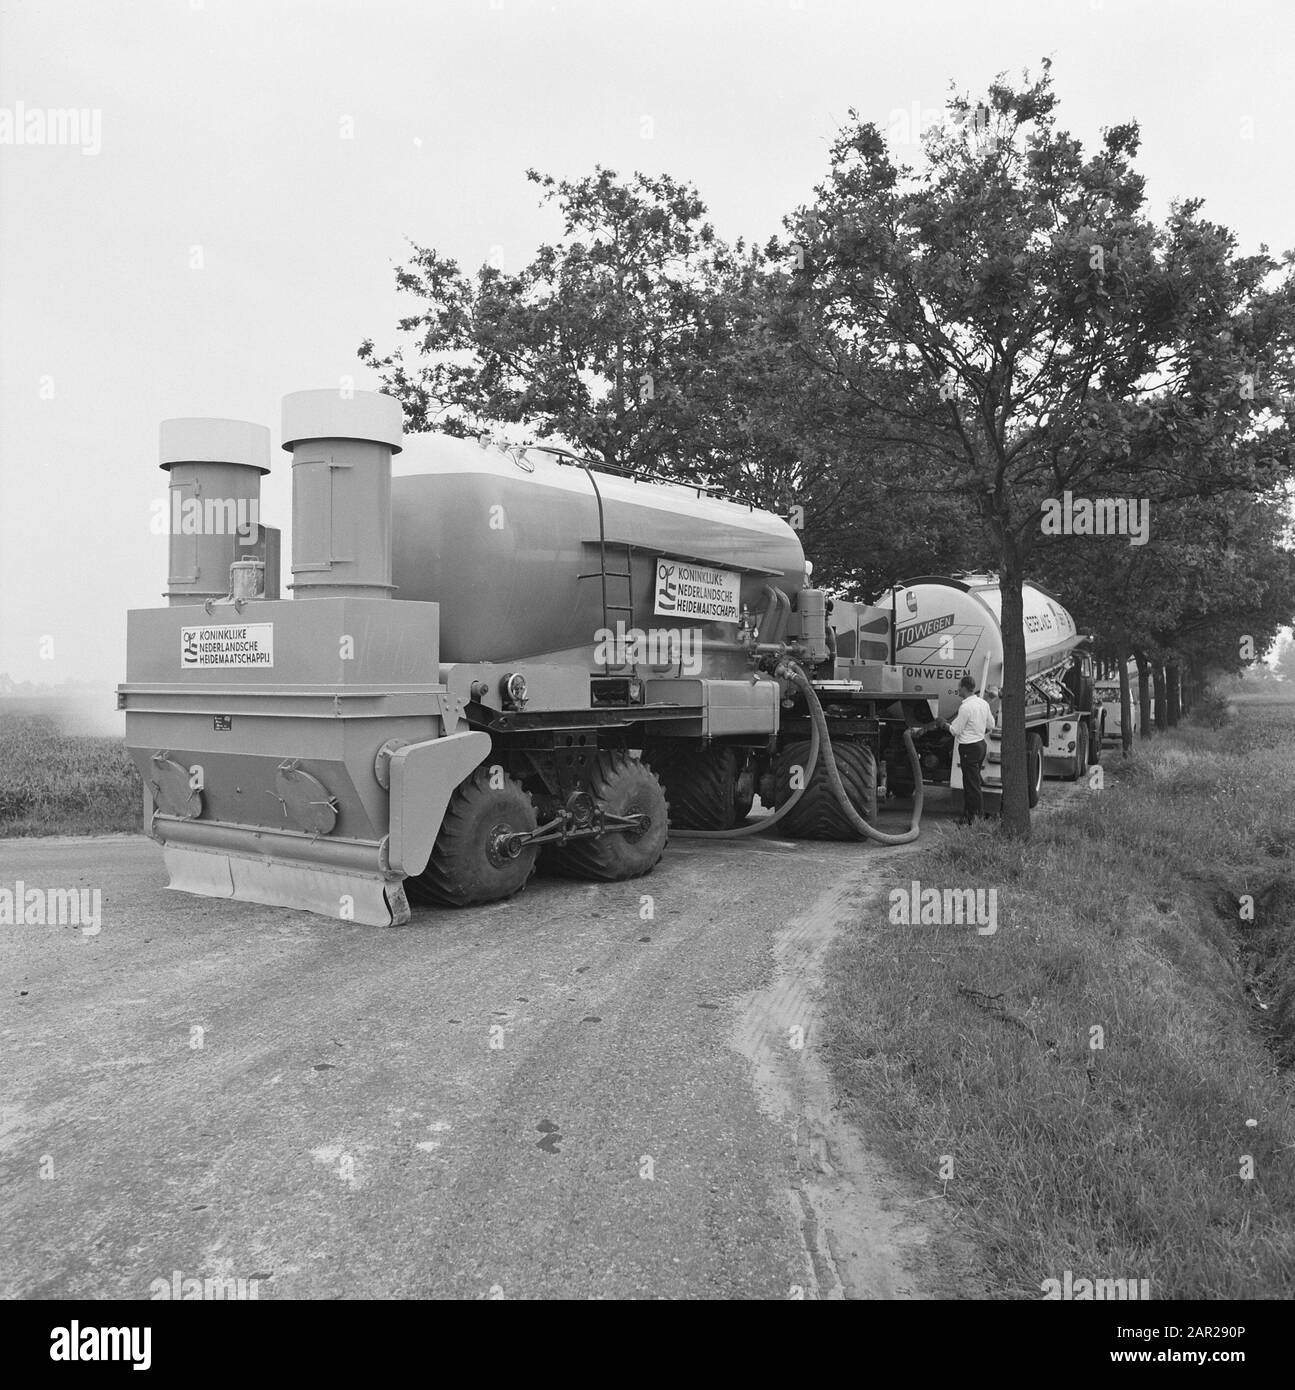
(972, 757)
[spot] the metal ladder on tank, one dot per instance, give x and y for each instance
(603, 574)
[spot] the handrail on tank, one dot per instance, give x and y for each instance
(956, 581)
(602, 555)
(566, 457)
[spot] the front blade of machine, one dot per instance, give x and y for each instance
(211, 873)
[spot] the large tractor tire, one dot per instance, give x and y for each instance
(1095, 746)
(818, 814)
(1079, 763)
(1034, 766)
(701, 784)
(622, 786)
(744, 791)
(468, 865)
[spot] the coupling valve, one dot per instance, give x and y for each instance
(513, 688)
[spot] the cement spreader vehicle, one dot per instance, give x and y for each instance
(492, 658)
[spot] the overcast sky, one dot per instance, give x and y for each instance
(220, 125)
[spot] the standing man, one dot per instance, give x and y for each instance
(969, 726)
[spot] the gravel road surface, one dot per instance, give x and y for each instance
(590, 1091)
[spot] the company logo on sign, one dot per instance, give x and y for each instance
(1065, 623)
(915, 632)
(693, 591)
(910, 598)
(230, 644)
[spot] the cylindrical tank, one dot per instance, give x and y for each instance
(945, 628)
(341, 445)
(213, 502)
(508, 543)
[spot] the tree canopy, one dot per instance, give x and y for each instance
(925, 368)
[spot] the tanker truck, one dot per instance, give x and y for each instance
(938, 629)
(491, 658)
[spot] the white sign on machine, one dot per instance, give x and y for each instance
(697, 591)
(227, 644)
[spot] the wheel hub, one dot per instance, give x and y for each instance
(502, 844)
(581, 808)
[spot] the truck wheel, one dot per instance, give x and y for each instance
(1034, 766)
(700, 783)
(818, 815)
(1095, 746)
(744, 791)
(1079, 764)
(622, 786)
(469, 864)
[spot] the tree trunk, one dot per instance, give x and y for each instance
(1158, 684)
(1144, 693)
(1174, 694)
(1016, 791)
(1126, 710)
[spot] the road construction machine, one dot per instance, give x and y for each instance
(491, 657)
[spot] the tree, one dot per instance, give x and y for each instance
(641, 340)
(599, 340)
(1011, 316)
(1207, 591)
(784, 436)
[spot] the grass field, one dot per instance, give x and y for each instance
(52, 783)
(1105, 1070)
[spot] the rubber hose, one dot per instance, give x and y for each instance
(818, 735)
(763, 824)
(834, 777)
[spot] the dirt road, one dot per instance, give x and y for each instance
(590, 1091)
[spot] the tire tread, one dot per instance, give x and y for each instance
(817, 815)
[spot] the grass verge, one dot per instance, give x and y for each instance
(1092, 1068)
(52, 783)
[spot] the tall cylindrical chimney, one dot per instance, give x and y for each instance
(213, 503)
(341, 448)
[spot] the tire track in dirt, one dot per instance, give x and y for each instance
(864, 1233)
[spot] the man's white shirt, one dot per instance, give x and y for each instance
(972, 721)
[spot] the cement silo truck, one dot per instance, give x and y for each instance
(938, 629)
(489, 655)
